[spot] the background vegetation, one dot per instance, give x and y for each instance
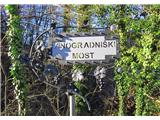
(132, 85)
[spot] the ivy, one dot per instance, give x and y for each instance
(17, 70)
(139, 61)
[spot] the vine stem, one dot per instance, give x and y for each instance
(5, 93)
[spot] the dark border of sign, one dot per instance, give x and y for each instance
(108, 58)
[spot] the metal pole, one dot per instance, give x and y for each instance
(72, 105)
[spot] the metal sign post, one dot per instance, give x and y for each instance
(72, 105)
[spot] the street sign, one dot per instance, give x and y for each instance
(85, 48)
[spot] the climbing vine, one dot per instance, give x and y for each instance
(139, 54)
(15, 49)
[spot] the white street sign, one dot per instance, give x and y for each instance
(85, 48)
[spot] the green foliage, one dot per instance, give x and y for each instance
(140, 50)
(139, 61)
(17, 70)
(81, 107)
(138, 28)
